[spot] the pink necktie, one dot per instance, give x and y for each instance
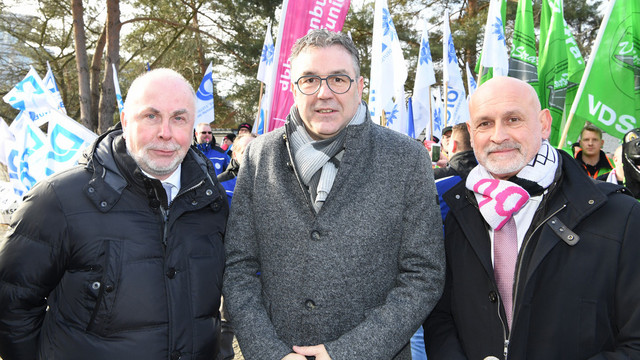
(505, 254)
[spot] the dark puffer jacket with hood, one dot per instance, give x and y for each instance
(95, 267)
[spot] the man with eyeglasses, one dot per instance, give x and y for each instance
(206, 143)
(334, 245)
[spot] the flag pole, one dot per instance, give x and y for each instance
(257, 120)
(383, 118)
(446, 103)
(430, 114)
(585, 75)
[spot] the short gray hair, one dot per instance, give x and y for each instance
(141, 81)
(322, 38)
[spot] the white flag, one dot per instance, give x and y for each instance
(494, 48)
(425, 77)
(265, 74)
(50, 83)
(27, 160)
(457, 110)
(204, 102)
(116, 84)
(436, 114)
(266, 58)
(67, 139)
(6, 138)
(388, 72)
(31, 95)
(472, 85)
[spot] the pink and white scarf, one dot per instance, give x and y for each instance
(498, 199)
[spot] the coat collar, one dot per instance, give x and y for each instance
(575, 198)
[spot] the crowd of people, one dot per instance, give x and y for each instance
(330, 237)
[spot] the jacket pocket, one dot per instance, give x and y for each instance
(110, 257)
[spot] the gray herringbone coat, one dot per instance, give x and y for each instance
(360, 275)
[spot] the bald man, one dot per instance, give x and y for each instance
(541, 260)
(121, 257)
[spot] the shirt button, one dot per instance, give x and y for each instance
(493, 297)
(171, 273)
(315, 235)
(310, 304)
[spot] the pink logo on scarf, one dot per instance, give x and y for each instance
(498, 196)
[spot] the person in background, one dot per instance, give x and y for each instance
(206, 143)
(244, 128)
(541, 260)
(461, 157)
(228, 177)
(631, 161)
(615, 176)
(227, 143)
(349, 262)
(121, 257)
(593, 160)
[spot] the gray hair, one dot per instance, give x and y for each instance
(140, 82)
(322, 38)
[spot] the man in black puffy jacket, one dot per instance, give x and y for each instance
(122, 256)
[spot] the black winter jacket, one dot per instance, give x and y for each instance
(460, 164)
(91, 270)
(577, 292)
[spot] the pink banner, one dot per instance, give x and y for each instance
(301, 17)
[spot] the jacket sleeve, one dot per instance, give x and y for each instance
(440, 334)
(420, 278)
(627, 291)
(31, 264)
(242, 288)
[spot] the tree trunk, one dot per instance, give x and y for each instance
(82, 63)
(96, 65)
(108, 98)
(472, 53)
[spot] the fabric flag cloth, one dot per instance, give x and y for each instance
(437, 115)
(6, 138)
(116, 85)
(204, 99)
(31, 95)
(523, 63)
(27, 160)
(560, 65)
(50, 83)
(388, 72)
(553, 68)
(472, 85)
(265, 74)
(457, 110)
(67, 139)
(609, 93)
(425, 78)
(494, 48)
(487, 73)
(298, 17)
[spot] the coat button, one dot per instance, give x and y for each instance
(103, 204)
(493, 297)
(216, 205)
(176, 355)
(310, 304)
(315, 235)
(95, 285)
(108, 288)
(171, 273)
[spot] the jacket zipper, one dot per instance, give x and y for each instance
(517, 278)
(165, 213)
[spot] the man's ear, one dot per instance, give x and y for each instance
(454, 146)
(545, 121)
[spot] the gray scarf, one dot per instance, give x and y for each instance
(317, 161)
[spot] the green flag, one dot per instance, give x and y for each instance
(487, 73)
(523, 63)
(553, 68)
(609, 93)
(576, 68)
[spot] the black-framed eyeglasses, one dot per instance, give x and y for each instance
(206, 132)
(337, 83)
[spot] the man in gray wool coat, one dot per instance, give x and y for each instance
(334, 244)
